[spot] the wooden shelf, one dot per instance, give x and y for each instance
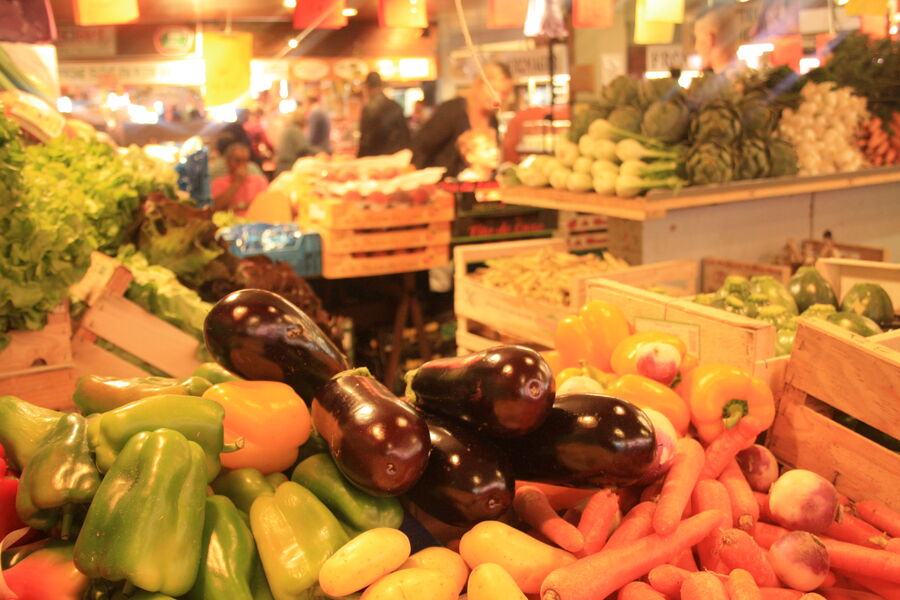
(656, 204)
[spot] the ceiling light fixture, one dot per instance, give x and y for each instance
(293, 43)
(289, 3)
(349, 12)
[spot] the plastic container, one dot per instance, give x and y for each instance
(284, 242)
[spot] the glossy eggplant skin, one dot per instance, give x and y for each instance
(505, 391)
(587, 440)
(378, 441)
(468, 479)
(261, 336)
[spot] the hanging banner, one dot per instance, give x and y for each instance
(402, 13)
(105, 12)
(319, 14)
(596, 14)
(788, 51)
(664, 11)
(866, 7)
(227, 58)
(506, 14)
(650, 32)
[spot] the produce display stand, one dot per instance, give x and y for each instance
(832, 370)
(127, 326)
(37, 365)
(743, 220)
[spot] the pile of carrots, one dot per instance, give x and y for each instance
(701, 533)
(879, 141)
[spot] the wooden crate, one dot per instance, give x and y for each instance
(850, 251)
(325, 214)
(342, 266)
(342, 241)
(44, 347)
(831, 369)
(50, 387)
(842, 273)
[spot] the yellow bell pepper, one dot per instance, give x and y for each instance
(585, 370)
(646, 393)
(606, 327)
(269, 416)
(554, 360)
(571, 341)
(720, 395)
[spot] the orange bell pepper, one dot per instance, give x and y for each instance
(606, 327)
(269, 416)
(646, 354)
(554, 360)
(646, 393)
(571, 341)
(720, 395)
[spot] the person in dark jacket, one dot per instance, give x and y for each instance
(382, 127)
(435, 144)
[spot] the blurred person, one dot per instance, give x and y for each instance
(217, 163)
(382, 127)
(318, 124)
(293, 143)
(260, 146)
(237, 189)
(419, 115)
(435, 144)
(717, 35)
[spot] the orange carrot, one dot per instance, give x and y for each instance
(893, 545)
(885, 589)
(667, 579)
(742, 586)
(879, 515)
(651, 492)
(728, 443)
(777, 593)
(561, 498)
(765, 534)
(703, 586)
(762, 500)
(596, 520)
(864, 562)
(532, 506)
(638, 590)
(830, 580)
(580, 580)
(572, 515)
(743, 504)
(710, 494)
(686, 561)
(847, 594)
(849, 528)
(680, 482)
(738, 550)
(636, 524)
(812, 596)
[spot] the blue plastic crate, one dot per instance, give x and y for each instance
(285, 243)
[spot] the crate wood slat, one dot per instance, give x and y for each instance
(848, 251)
(134, 330)
(342, 241)
(657, 204)
(842, 273)
(888, 339)
(341, 266)
(91, 359)
(715, 270)
(675, 277)
(50, 387)
(48, 346)
(339, 214)
(848, 372)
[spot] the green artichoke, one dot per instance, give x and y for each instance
(627, 118)
(655, 90)
(666, 121)
(709, 88)
(753, 162)
(758, 118)
(584, 115)
(782, 158)
(717, 122)
(621, 91)
(709, 163)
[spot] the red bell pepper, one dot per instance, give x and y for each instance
(9, 519)
(47, 574)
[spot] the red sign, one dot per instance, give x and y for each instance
(402, 13)
(788, 51)
(319, 14)
(597, 14)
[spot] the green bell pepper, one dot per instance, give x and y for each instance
(243, 486)
(215, 373)
(359, 510)
(143, 595)
(316, 444)
(145, 524)
(228, 561)
(198, 419)
(95, 394)
(61, 473)
(22, 427)
(276, 479)
(295, 534)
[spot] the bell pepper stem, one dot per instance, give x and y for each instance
(66, 527)
(733, 411)
(233, 446)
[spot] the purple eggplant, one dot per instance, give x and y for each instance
(261, 336)
(587, 440)
(376, 439)
(468, 479)
(504, 391)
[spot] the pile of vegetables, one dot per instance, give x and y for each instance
(880, 142)
(865, 309)
(823, 129)
(305, 472)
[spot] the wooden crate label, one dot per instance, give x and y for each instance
(689, 333)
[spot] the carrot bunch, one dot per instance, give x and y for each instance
(879, 141)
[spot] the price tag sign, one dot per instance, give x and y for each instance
(689, 333)
(33, 114)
